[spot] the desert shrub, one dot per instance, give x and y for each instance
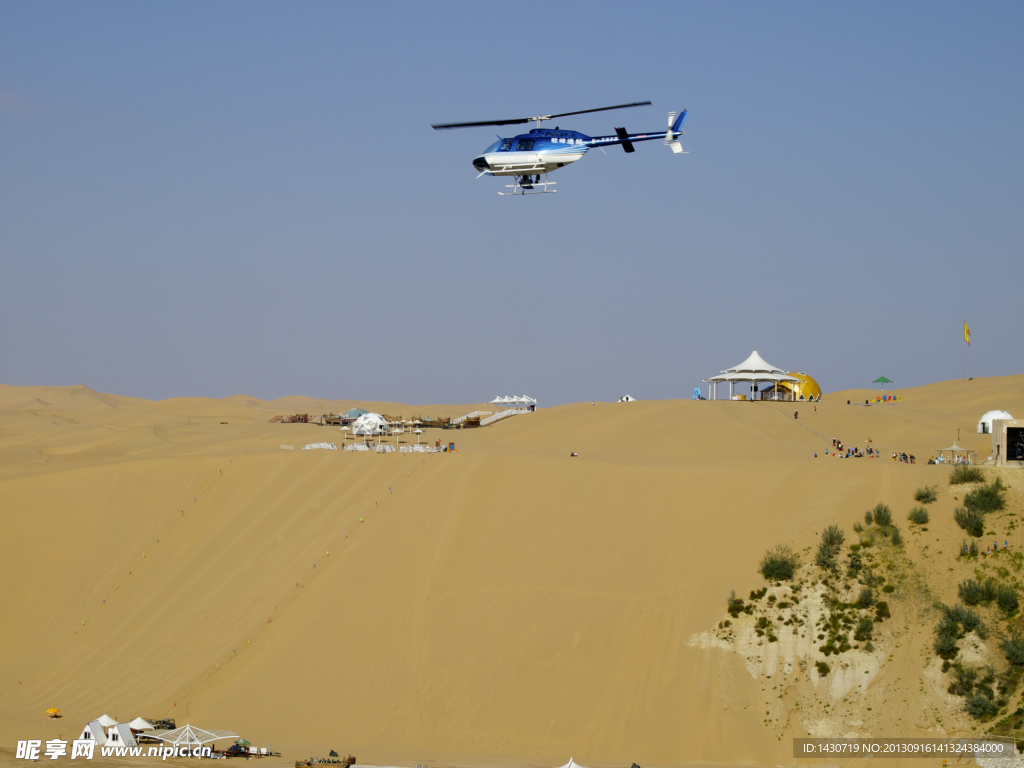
(963, 680)
(779, 563)
(926, 495)
(972, 549)
(823, 668)
(918, 516)
(826, 558)
(867, 597)
(970, 620)
(757, 594)
(883, 515)
(988, 591)
(971, 592)
(1006, 598)
(864, 628)
(882, 611)
(858, 528)
(980, 706)
(965, 473)
(871, 579)
(1014, 651)
(971, 521)
(854, 568)
(988, 498)
(945, 646)
(869, 517)
(952, 617)
(833, 537)
(735, 605)
(896, 538)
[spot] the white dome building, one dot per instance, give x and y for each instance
(985, 423)
(370, 424)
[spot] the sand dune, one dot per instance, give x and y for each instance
(503, 603)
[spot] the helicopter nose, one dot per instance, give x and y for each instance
(480, 163)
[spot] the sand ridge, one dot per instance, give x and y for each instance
(503, 602)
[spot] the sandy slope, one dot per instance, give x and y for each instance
(505, 602)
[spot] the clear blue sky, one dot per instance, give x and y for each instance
(212, 199)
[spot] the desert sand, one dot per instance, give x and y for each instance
(502, 605)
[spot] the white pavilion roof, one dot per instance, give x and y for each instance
(192, 736)
(754, 364)
(752, 377)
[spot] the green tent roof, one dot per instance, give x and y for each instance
(882, 380)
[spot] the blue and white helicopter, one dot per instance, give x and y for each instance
(543, 150)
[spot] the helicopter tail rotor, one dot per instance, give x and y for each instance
(671, 135)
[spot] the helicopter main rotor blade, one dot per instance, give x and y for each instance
(521, 120)
(485, 122)
(602, 109)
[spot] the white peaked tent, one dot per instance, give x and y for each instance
(190, 736)
(121, 735)
(572, 764)
(139, 724)
(754, 369)
(369, 424)
(94, 732)
(106, 721)
(624, 399)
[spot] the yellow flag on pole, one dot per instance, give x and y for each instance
(967, 334)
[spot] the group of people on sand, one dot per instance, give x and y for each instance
(904, 457)
(850, 453)
(990, 550)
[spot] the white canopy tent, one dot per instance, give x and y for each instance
(955, 452)
(753, 370)
(139, 724)
(514, 400)
(106, 721)
(190, 736)
(572, 764)
(625, 399)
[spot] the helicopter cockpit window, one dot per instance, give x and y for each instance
(506, 145)
(524, 145)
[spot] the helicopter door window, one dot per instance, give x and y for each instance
(524, 145)
(506, 145)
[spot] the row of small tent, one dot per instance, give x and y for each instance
(421, 448)
(513, 400)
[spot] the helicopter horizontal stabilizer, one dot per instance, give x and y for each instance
(626, 143)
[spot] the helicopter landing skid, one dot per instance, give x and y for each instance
(525, 185)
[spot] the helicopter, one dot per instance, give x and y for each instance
(544, 150)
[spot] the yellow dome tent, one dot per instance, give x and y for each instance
(805, 388)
